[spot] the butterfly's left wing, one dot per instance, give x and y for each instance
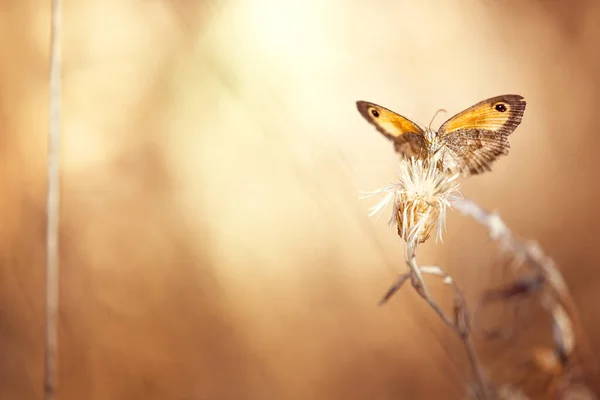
(474, 138)
(408, 137)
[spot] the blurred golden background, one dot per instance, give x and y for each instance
(212, 242)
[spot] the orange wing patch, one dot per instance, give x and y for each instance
(499, 114)
(408, 137)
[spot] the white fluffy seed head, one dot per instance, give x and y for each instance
(420, 198)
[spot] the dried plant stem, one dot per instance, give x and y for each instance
(459, 322)
(52, 273)
(481, 386)
(411, 261)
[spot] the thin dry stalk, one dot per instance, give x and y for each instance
(52, 273)
(459, 322)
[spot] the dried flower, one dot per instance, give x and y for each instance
(420, 198)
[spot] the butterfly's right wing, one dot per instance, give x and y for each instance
(474, 138)
(408, 137)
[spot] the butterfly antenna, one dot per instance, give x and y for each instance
(435, 115)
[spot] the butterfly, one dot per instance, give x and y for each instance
(470, 142)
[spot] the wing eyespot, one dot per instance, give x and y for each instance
(501, 107)
(374, 113)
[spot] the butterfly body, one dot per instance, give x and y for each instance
(469, 142)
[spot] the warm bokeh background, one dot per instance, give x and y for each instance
(212, 242)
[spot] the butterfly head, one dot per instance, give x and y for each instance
(431, 135)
